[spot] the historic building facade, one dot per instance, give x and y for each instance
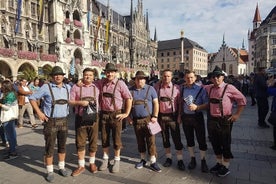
(231, 60)
(169, 55)
(262, 41)
(73, 34)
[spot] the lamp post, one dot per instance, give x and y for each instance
(181, 64)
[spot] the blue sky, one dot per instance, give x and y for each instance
(203, 21)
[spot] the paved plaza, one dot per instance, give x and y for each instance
(254, 161)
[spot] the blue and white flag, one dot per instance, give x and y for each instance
(72, 66)
(18, 16)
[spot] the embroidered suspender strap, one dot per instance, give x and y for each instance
(113, 97)
(145, 100)
(220, 104)
(80, 98)
(220, 100)
(54, 101)
(94, 97)
(110, 95)
(171, 98)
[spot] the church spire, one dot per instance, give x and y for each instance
(257, 18)
(243, 48)
(223, 39)
(155, 35)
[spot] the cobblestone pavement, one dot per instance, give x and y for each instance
(254, 161)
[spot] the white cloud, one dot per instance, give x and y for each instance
(203, 21)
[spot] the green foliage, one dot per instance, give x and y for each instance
(27, 73)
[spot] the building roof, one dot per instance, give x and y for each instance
(116, 17)
(176, 44)
(257, 17)
(242, 53)
(271, 17)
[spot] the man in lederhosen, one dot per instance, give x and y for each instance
(145, 109)
(113, 93)
(194, 100)
(54, 113)
(86, 129)
(169, 103)
(221, 119)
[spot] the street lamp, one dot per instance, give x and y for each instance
(181, 64)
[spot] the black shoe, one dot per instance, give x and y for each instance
(50, 177)
(10, 156)
(223, 171)
(141, 164)
(63, 172)
(192, 164)
(204, 167)
(273, 147)
(155, 167)
(181, 165)
(216, 168)
(168, 162)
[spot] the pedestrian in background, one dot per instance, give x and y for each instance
(9, 99)
(272, 91)
(169, 117)
(54, 114)
(221, 119)
(24, 104)
(194, 100)
(251, 90)
(144, 110)
(260, 87)
(80, 97)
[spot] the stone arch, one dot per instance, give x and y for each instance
(45, 71)
(5, 70)
(96, 74)
(76, 15)
(77, 34)
(27, 70)
(67, 14)
(78, 57)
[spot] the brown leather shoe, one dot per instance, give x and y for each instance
(93, 168)
(78, 171)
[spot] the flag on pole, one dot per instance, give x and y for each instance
(72, 66)
(18, 16)
(107, 35)
(88, 13)
(96, 33)
(41, 13)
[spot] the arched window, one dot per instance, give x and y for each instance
(231, 69)
(76, 15)
(67, 14)
(223, 67)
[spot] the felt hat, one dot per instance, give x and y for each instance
(57, 70)
(110, 67)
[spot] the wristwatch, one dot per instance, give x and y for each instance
(154, 116)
